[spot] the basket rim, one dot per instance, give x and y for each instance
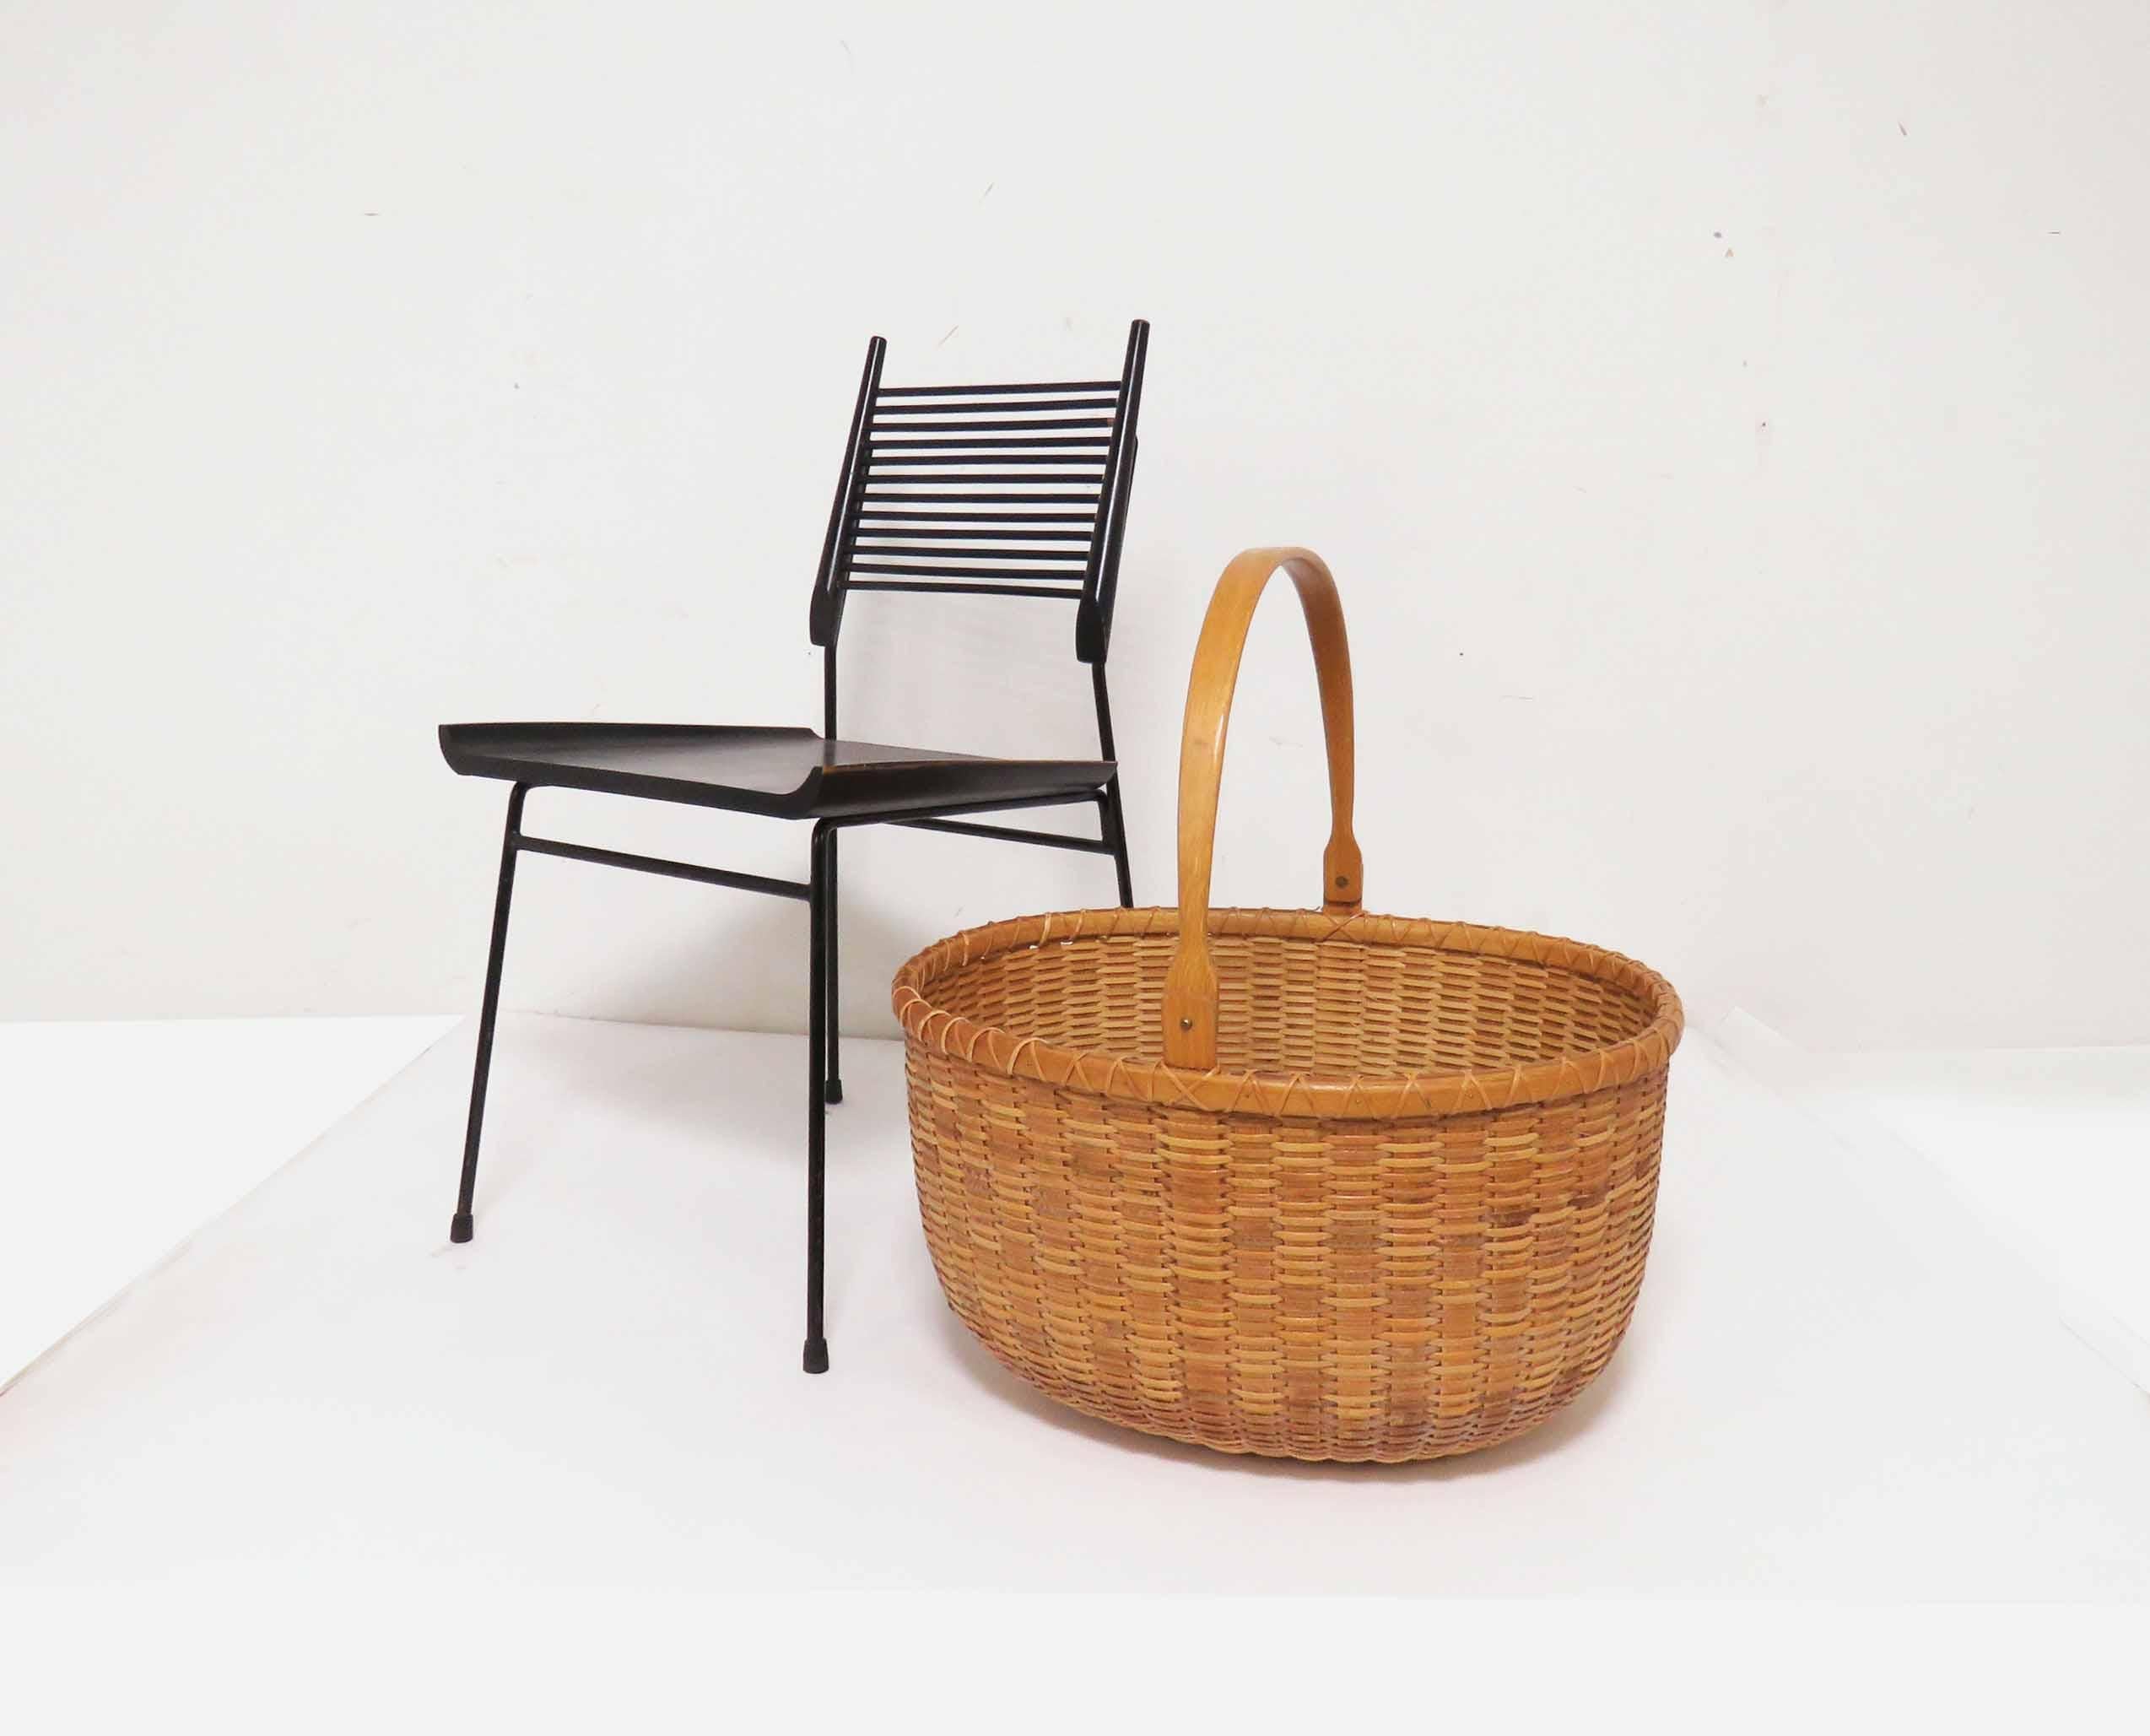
(1370, 1097)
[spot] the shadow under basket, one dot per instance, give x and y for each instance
(1320, 1185)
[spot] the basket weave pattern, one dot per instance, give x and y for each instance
(1331, 1287)
(1316, 1184)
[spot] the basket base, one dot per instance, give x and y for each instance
(1464, 1440)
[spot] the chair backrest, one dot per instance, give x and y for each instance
(1003, 490)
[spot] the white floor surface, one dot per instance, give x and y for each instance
(119, 1139)
(2049, 1149)
(1839, 1382)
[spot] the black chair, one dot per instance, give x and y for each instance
(984, 491)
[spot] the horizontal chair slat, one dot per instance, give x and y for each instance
(999, 406)
(984, 499)
(995, 442)
(869, 510)
(969, 590)
(1065, 461)
(1037, 576)
(1112, 386)
(934, 551)
(990, 425)
(930, 532)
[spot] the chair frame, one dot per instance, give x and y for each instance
(835, 578)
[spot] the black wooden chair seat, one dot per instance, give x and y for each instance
(788, 774)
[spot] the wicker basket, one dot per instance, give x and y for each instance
(1325, 1186)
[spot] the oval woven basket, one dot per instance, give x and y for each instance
(1320, 1185)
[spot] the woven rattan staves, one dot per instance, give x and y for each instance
(1320, 1185)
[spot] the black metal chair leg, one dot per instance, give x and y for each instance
(1115, 825)
(460, 1227)
(833, 1092)
(1112, 819)
(816, 1358)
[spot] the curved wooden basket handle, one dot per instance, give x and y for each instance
(1191, 986)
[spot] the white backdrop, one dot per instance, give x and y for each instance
(1726, 423)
